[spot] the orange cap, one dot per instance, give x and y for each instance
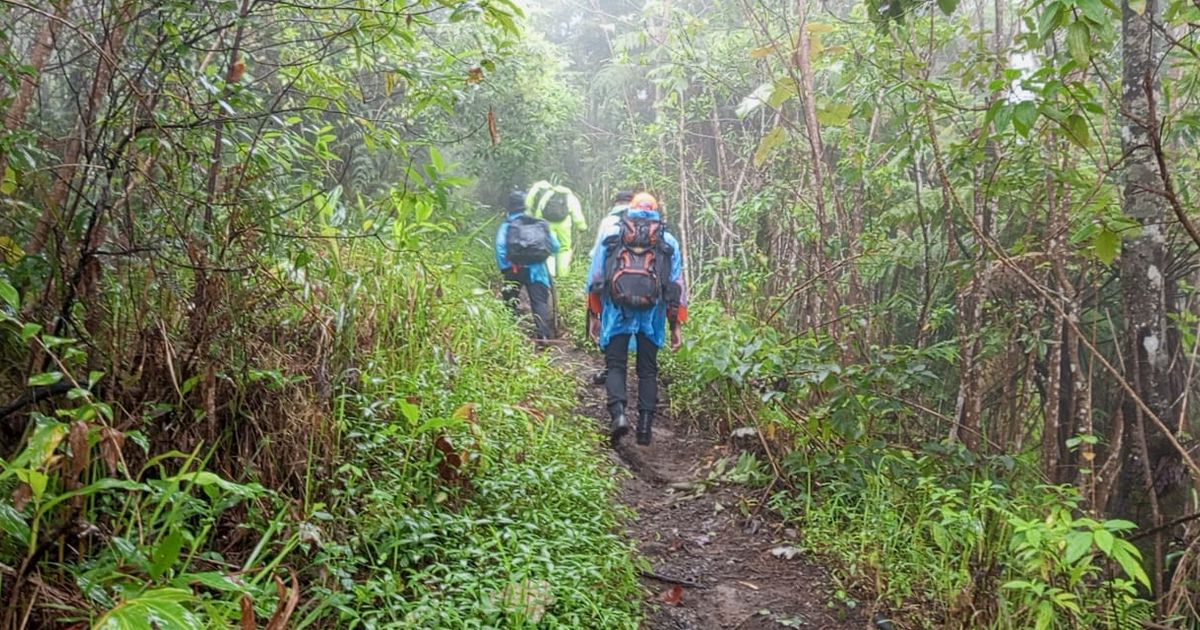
(644, 201)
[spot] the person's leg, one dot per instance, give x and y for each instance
(616, 362)
(539, 303)
(563, 263)
(647, 371)
(559, 263)
(601, 377)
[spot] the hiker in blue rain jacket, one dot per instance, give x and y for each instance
(533, 276)
(636, 295)
(609, 223)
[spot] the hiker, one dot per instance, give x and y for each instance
(523, 245)
(559, 206)
(620, 204)
(635, 288)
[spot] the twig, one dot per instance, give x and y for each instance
(689, 582)
(1168, 525)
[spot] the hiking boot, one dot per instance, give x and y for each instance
(645, 423)
(620, 424)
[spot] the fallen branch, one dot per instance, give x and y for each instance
(689, 582)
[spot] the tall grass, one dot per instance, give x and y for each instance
(433, 472)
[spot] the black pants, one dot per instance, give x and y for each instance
(616, 360)
(539, 300)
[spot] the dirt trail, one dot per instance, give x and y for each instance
(696, 536)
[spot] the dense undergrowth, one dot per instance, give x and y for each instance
(446, 482)
(920, 528)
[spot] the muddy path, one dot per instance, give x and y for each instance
(715, 561)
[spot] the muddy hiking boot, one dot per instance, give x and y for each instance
(620, 424)
(645, 423)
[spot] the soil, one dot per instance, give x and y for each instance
(714, 558)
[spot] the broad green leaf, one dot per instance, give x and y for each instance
(818, 27)
(1045, 616)
(166, 554)
(1078, 544)
(1104, 540)
(1049, 19)
(205, 478)
(212, 579)
(1137, 6)
(1004, 117)
(29, 331)
(947, 6)
(1106, 244)
(774, 138)
(785, 89)
(834, 114)
(13, 523)
(1077, 128)
(410, 411)
(10, 251)
(1094, 11)
(756, 99)
(1127, 556)
(45, 378)
(36, 479)
(1024, 116)
(1078, 42)
(41, 447)
(158, 608)
(9, 294)
(761, 52)
(8, 185)
(437, 424)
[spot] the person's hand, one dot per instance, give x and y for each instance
(676, 338)
(594, 328)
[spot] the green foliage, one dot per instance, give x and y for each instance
(965, 540)
(478, 496)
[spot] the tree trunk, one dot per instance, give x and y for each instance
(1150, 461)
(39, 54)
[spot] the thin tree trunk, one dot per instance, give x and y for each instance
(39, 54)
(66, 172)
(1149, 457)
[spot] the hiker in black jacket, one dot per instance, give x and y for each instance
(523, 244)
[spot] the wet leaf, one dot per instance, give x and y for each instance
(166, 553)
(158, 608)
(672, 596)
(1078, 42)
(772, 140)
(1106, 245)
(759, 97)
(9, 294)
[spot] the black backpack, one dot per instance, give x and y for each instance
(556, 208)
(528, 240)
(638, 265)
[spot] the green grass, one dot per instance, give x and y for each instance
(447, 485)
(516, 528)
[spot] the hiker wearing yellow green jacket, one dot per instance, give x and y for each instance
(559, 206)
